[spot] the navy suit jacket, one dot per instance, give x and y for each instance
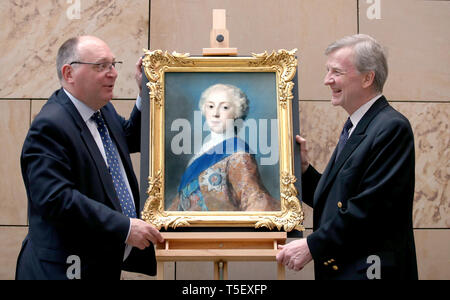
(362, 203)
(72, 205)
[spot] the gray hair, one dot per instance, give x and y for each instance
(235, 94)
(67, 53)
(369, 55)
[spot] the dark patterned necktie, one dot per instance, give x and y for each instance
(344, 137)
(126, 203)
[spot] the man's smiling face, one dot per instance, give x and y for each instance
(344, 80)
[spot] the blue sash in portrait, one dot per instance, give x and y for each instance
(189, 185)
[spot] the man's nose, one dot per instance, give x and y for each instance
(112, 72)
(328, 79)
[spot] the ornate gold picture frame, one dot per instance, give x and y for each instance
(174, 80)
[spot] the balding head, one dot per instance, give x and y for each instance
(79, 60)
(67, 53)
(75, 49)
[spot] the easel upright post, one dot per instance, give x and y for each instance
(220, 270)
(219, 36)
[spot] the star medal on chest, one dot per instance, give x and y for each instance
(213, 179)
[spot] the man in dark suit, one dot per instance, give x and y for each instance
(83, 196)
(363, 201)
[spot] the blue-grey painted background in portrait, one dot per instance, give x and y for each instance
(182, 94)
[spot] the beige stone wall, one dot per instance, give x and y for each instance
(415, 32)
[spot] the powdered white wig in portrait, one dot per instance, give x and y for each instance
(233, 94)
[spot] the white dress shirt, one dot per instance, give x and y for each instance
(360, 112)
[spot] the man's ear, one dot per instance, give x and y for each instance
(67, 73)
(368, 79)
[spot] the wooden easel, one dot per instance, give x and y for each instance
(219, 37)
(219, 247)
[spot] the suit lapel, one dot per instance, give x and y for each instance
(92, 148)
(348, 149)
(352, 144)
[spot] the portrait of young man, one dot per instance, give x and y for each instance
(221, 142)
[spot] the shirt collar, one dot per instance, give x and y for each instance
(85, 111)
(360, 112)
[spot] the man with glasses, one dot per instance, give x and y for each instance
(83, 196)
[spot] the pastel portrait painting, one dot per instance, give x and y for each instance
(221, 151)
(221, 142)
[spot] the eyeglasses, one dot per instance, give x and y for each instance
(100, 67)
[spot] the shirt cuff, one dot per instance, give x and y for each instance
(129, 230)
(139, 103)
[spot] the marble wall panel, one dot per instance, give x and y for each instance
(14, 123)
(259, 25)
(253, 270)
(416, 35)
(36, 106)
(11, 240)
(321, 124)
(32, 32)
(432, 249)
(431, 127)
(135, 276)
(308, 216)
(194, 270)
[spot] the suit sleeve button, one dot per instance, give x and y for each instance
(335, 267)
(339, 204)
